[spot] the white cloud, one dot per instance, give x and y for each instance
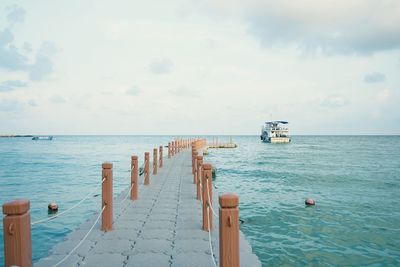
(314, 26)
(161, 66)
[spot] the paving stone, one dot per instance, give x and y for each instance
(152, 245)
(65, 247)
(182, 234)
(191, 245)
(162, 217)
(162, 234)
(52, 260)
(127, 234)
(192, 259)
(104, 260)
(149, 260)
(120, 246)
(159, 225)
(95, 235)
(134, 225)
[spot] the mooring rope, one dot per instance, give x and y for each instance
(83, 239)
(67, 210)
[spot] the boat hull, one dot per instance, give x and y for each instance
(276, 140)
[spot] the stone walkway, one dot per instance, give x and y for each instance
(161, 228)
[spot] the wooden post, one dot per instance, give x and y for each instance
(193, 151)
(146, 168)
(17, 233)
(155, 161)
(195, 167)
(172, 148)
(107, 197)
(169, 150)
(161, 156)
(229, 231)
(134, 177)
(207, 197)
(176, 147)
(199, 174)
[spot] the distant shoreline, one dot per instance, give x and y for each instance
(13, 135)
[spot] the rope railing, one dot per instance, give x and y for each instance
(82, 240)
(209, 239)
(67, 210)
(209, 203)
(127, 195)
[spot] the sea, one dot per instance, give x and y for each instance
(354, 180)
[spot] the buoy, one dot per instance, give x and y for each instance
(310, 202)
(53, 207)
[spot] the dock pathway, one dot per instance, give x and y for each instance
(163, 227)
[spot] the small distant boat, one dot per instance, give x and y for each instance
(42, 137)
(271, 132)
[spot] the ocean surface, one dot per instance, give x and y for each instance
(355, 181)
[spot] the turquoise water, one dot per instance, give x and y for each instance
(354, 180)
(356, 184)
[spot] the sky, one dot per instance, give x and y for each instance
(199, 67)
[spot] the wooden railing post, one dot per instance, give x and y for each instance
(199, 174)
(195, 167)
(134, 177)
(229, 231)
(107, 197)
(155, 161)
(172, 148)
(193, 151)
(176, 147)
(146, 168)
(17, 233)
(161, 156)
(207, 197)
(169, 150)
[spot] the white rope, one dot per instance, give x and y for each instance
(208, 193)
(209, 239)
(83, 239)
(127, 195)
(65, 211)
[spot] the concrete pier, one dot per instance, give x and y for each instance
(163, 227)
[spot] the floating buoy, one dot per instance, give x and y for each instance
(53, 207)
(310, 202)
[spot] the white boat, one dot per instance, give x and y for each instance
(271, 132)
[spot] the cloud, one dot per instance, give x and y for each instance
(10, 85)
(11, 58)
(374, 77)
(330, 27)
(14, 59)
(161, 66)
(16, 14)
(57, 99)
(9, 105)
(43, 65)
(33, 103)
(334, 101)
(183, 91)
(134, 90)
